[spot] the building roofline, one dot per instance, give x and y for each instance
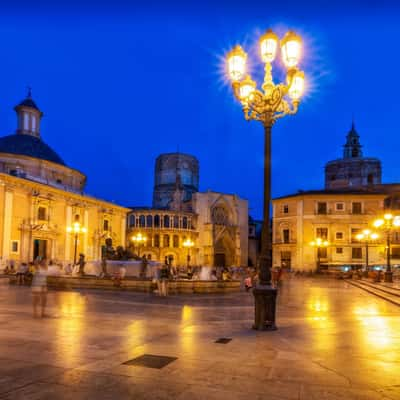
(81, 195)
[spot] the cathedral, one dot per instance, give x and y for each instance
(353, 197)
(43, 202)
(185, 225)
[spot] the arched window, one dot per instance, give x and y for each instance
(176, 241)
(149, 221)
(176, 221)
(184, 222)
(157, 221)
(166, 221)
(132, 220)
(156, 240)
(142, 221)
(166, 241)
(370, 179)
(77, 216)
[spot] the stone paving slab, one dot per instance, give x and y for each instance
(334, 342)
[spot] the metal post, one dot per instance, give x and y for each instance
(366, 257)
(388, 274)
(264, 294)
(76, 245)
(318, 260)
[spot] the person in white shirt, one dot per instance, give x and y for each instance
(39, 289)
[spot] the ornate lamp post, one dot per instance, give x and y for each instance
(139, 239)
(76, 229)
(188, 243)
(266, 106)
(319, 243)
(366, 236)
(388, 224)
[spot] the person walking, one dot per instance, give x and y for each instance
(164, 276)
(81, 264)
(39, 289)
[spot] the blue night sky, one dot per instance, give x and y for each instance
(119, 84)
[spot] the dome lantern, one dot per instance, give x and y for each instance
(28, 116)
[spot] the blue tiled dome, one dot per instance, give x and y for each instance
(27, 145)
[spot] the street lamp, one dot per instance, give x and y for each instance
(139, 239)
(266, 106)
(76, 229)
(319, 243)
(188, 243)
(388, 223)
(366, 236)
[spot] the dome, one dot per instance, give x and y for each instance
(31, 146)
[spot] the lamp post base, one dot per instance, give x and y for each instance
(388, 276)
(265, 308)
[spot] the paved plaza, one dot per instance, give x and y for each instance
(334, 341)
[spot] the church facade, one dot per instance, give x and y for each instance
(41, 198)
(353, 198)
(216, 223)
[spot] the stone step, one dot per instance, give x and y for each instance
(375, 290)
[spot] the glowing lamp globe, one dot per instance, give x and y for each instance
(236, 63)
(291, 49)
(247, 87)
(296, 88)
(268, 46)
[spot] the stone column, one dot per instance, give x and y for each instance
(86, 234)
(123, 231)
(68, 221)
(8, 204)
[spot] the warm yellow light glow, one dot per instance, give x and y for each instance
(360, 236)
(247, 87)
(76, 228)
(378, 223)
(296, 87)
(374, 236)
(291, 49)
(396, 221)
(188, 243)
(139, 238)
(388, 217)
(318, 242)
(366, 232)
(236, 63)
(268, 46)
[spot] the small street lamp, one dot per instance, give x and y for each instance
(188, 243)
(319, 243)
(366, 236)
(139, 239)
(76, 229)
(274, 101)
(388, 224)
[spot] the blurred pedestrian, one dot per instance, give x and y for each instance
(164, 276)
(39, 289)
